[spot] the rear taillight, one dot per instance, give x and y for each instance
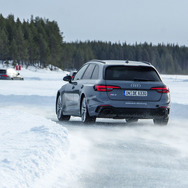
(4, 75)
(161, 89)
(105, 88)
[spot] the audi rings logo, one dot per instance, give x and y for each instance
(136, 85)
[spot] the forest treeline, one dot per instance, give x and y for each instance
(35, 41)
(40, 42)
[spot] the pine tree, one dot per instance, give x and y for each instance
(4, 46)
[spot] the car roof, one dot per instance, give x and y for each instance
(123, 62)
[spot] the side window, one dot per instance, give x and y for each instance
(95, 74)
(88, 72)
(80, 73)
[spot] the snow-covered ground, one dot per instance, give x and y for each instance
(38, 151)
(34, 150)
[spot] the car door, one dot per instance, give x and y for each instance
(70, 90)
(68, 99)
(79, 85)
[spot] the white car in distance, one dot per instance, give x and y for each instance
(13, 74)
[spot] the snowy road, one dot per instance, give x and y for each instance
(137, 155)
(38, 151)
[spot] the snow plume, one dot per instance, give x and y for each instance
(31, 148)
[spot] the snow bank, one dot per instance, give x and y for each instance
(34, 151)
(39, 83)
(31, 147)
(36, 73)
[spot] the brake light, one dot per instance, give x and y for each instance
(105, 88)
(161, 89)
(4, 75)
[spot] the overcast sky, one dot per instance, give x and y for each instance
(156, 21)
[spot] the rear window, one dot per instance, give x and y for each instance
(133, 73)
(2, 71)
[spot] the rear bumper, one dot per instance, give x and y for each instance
(140, 113)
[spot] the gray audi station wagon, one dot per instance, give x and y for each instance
(115, 89)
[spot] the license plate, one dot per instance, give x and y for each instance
(135, 93)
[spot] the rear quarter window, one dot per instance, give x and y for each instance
(95, 74)
(88, 72)
(131, 73)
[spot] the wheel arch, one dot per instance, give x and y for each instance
(81, 99)
(58, 94)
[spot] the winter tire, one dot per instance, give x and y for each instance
(84, 113)
(59, 110)
(131, 120)
(161, 121)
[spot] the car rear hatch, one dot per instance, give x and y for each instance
(3, 73)
(133, 83)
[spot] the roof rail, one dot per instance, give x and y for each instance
(100, 61)
(148, 63)
(127, 61)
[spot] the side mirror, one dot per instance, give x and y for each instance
(67, 78)
(72, 74)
